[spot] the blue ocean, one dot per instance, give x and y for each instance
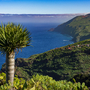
(42, 40)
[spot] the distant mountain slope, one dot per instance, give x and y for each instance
(78, 28)
(59, 63)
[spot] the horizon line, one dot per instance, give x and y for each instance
(44, 14)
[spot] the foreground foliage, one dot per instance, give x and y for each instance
(40, 82)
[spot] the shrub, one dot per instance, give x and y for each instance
(40, 82)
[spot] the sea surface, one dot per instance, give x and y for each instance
(42, 40)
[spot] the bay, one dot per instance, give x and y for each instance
(42, 40)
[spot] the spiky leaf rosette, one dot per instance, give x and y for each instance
(13, 37)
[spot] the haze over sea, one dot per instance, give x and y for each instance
(42, 39)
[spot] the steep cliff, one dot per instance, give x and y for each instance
(78, 28)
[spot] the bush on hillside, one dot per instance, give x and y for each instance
(40, 82)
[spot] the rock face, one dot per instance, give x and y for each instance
(78, 28)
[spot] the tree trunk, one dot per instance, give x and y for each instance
(10, 63)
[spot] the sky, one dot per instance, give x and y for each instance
(44, 6)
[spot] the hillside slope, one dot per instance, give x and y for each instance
(59, 63)
(78, 28)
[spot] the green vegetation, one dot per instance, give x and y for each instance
(60, 63)
(78, 28)
(82, 78)
(40, 82)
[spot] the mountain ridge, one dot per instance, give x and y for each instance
(78, 28)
